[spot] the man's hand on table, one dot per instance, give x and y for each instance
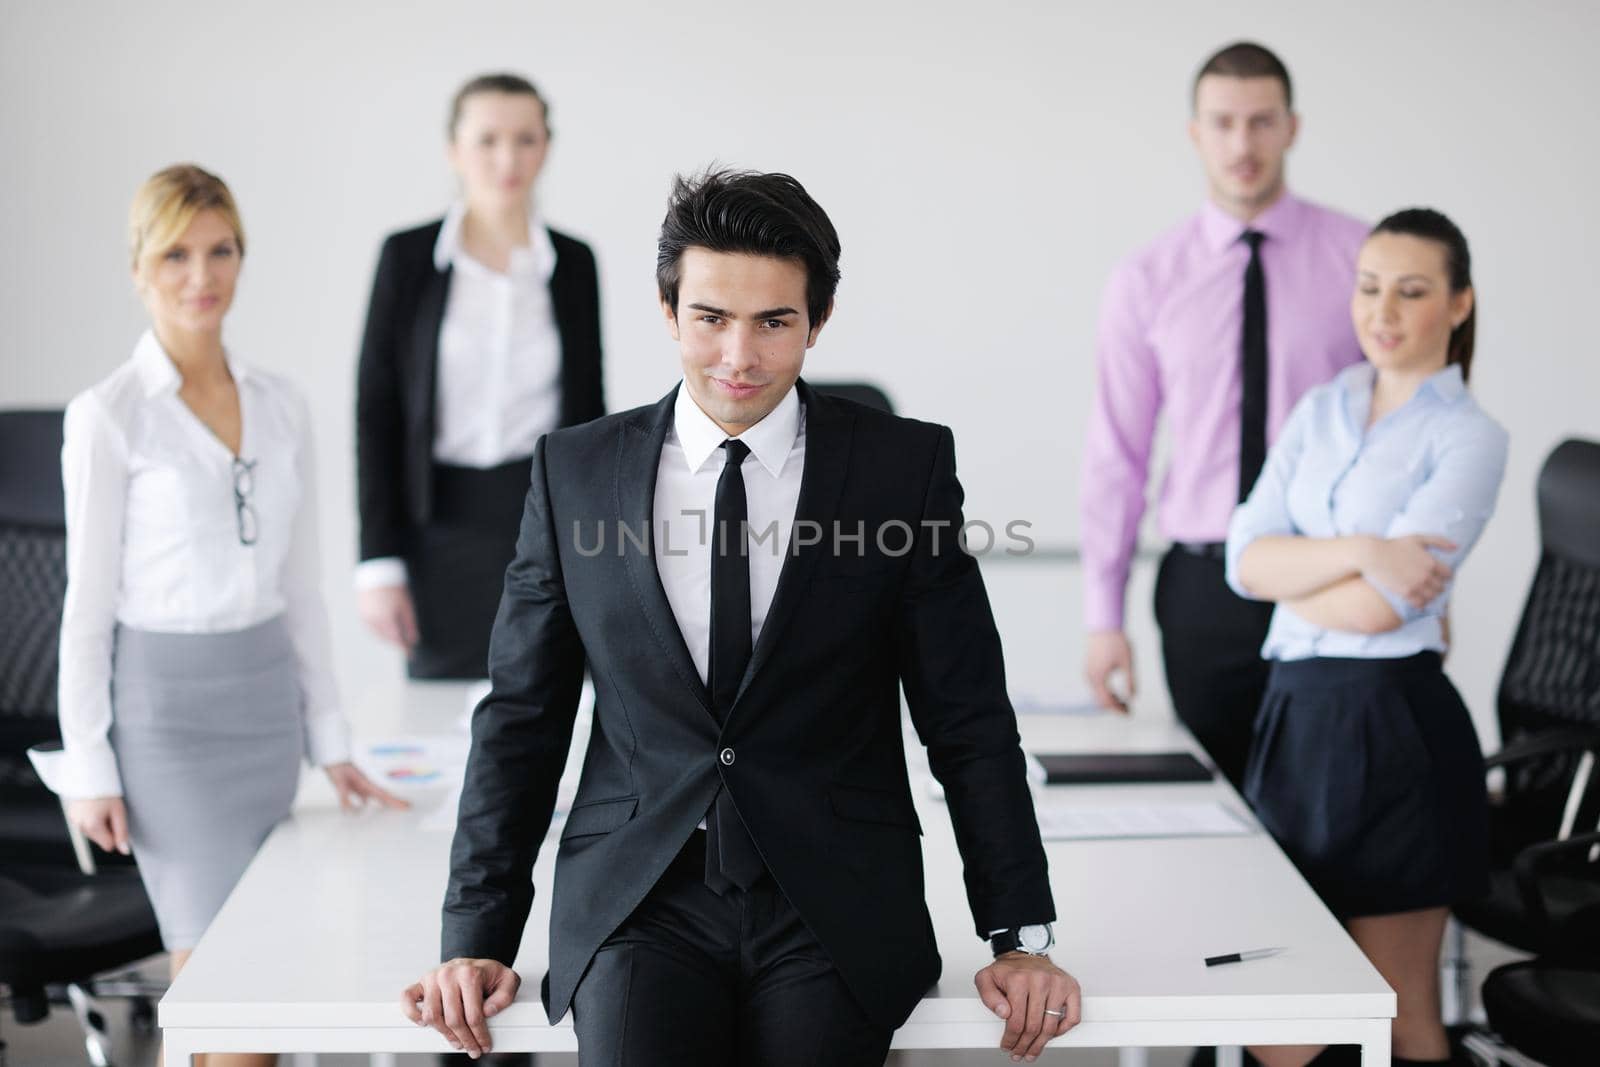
(457, 997)
(1027, 992)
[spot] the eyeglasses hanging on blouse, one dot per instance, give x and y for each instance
(244, 483)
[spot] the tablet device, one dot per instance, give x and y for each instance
(1121, 768)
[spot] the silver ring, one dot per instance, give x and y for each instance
(1058, 1014)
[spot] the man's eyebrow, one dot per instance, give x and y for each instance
(770, 313)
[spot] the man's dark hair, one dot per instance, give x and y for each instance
(1246, 59)
(511, 84)
(755, 214)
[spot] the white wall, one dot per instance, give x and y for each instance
(985, 166)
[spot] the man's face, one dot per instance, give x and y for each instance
(742, 332)
(1242, 128)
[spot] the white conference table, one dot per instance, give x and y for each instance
(338, 913)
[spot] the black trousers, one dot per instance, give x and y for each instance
(698, 979)
(1211, 647)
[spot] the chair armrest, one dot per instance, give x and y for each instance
(1544, 744)
(1531, 860)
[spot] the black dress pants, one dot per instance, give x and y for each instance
(1211, 646)
(698, 979)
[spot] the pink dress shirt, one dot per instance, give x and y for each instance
(1169, 342)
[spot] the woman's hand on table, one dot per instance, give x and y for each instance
(355, 788)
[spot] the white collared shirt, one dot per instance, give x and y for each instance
(685, 506)
(153, 543)
(499, 372)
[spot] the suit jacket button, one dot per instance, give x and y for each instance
(726, 756)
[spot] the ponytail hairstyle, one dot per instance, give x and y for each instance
(1431, 225)
(510, 84)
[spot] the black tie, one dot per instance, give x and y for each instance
(731, 857)
(1253, 405)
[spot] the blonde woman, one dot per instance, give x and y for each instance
(195, 661)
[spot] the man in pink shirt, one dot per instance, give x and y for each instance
(1219, 326)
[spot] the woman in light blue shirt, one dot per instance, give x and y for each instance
(1365, 765)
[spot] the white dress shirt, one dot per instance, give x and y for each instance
(153, 543)
(499, 370)
(686, 503)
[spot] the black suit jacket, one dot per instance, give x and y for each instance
(819, 773)
(399, 365)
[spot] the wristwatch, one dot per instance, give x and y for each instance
(1035, 940)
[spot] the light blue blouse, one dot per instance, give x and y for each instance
(1432, 466)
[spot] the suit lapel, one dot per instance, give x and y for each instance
(425, 341)
(638, 460)
(562, 304)
(828, 438)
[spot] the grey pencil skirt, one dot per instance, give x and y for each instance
(207, 733)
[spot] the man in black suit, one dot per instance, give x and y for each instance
(751, 571)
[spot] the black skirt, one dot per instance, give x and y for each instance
(1369, 775)
(457, 566)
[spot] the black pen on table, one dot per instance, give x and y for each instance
(1241, 957)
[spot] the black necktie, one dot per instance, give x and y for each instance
(1253, 405)
(731, 857)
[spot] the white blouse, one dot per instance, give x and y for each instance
(155, 541)
(499, 373)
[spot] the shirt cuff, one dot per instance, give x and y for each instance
(1232, 554)
(327, 740)
(381, 573)
(82, 774)
(1402, 607)
(1103, 605)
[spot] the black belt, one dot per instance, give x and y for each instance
(1217, 550)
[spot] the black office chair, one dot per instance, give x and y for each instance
(861, 392)
(60, 923)
(1549, 712)
(1547, 1008)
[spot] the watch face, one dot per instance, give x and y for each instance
(1035, 938)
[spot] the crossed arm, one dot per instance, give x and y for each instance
(1374, 582)
(1328, 581)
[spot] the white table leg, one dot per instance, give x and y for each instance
(1375, 1039)
(1230, 1056)
(176, 1049)
(1133, 1056)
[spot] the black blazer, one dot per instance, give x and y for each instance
(819, 773)
(398, 369)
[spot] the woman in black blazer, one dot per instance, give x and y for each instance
(482, 334)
